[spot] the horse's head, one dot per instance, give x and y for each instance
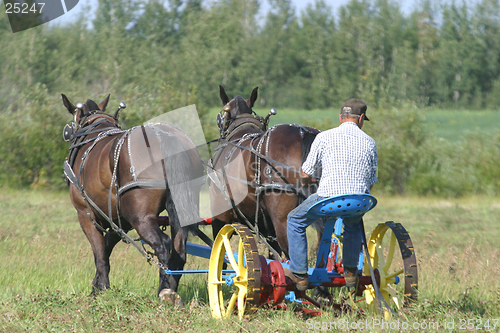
(234, 107)
(85, 114)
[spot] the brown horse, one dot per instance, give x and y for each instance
(123, 179)
(256, 173)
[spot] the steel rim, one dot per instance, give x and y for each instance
(387, 240)
(235, 244)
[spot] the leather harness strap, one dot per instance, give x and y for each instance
(147, 143)
(152, 159)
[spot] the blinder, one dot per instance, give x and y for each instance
(69, 130)
(219, 120)
(222, 117)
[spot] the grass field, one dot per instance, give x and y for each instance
(448, 124)
(47, 268)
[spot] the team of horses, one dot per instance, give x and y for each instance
(121, 180)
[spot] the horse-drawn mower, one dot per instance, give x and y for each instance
(240, 280)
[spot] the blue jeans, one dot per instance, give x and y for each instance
(297, 240)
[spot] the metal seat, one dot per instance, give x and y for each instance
(348, 205)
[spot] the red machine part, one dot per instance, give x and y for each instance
(278, 282)
(272, 282)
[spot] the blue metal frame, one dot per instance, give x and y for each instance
(202, 251)
(335, 208)
(198, 250)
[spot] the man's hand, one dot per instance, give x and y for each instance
(305, 179)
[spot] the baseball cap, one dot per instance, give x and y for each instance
(354, 106)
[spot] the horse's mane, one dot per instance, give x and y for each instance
(90, 106)
(241, 106)
(308, 137)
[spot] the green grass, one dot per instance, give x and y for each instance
(451, 125)
(47, 268)
(454, 124)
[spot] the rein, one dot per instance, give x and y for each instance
(68, 170)
(87, 128)
(259, 187)
(78, 141)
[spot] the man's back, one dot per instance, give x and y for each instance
(348, 158)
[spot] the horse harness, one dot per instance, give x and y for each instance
(78, 141)
(257, 140)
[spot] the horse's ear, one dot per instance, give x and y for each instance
(104, 103)
(71, 108)
(253, 97)
(223, 95)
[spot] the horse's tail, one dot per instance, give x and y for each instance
(308, 136)
(184, 171)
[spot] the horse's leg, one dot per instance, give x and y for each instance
(170, 283)
(110, 240)
(279, 205)
(101, 259)
(272, 241)
(220, 221)
(148, 230)
(140, 207)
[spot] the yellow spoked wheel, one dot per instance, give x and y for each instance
(238, 286)
(393, 258)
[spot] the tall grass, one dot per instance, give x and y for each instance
(47, 268)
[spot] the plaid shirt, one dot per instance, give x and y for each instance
(348, 158)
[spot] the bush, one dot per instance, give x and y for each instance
(31, 147)
(32, 150)
(411, 160)
(400, 135)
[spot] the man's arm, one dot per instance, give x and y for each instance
(305, 179)
(311, 163)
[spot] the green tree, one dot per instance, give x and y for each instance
(279, 63)
(316, 47)
(461, 57)
(216, 49)
(354, 70)
(31, 148)
(486, 21)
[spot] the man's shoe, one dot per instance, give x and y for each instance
(301, 283)
(351, 276)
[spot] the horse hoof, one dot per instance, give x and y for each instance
(170, 296)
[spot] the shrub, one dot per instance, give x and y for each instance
(411, 160)
(31, 146)
(32, 150)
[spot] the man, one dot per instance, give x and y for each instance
(348, 158)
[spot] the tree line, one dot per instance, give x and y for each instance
(160, 55)
(441, 53)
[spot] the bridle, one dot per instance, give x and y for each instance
(76, 131)
(78, 128)
(222, 118)
(225, 120)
